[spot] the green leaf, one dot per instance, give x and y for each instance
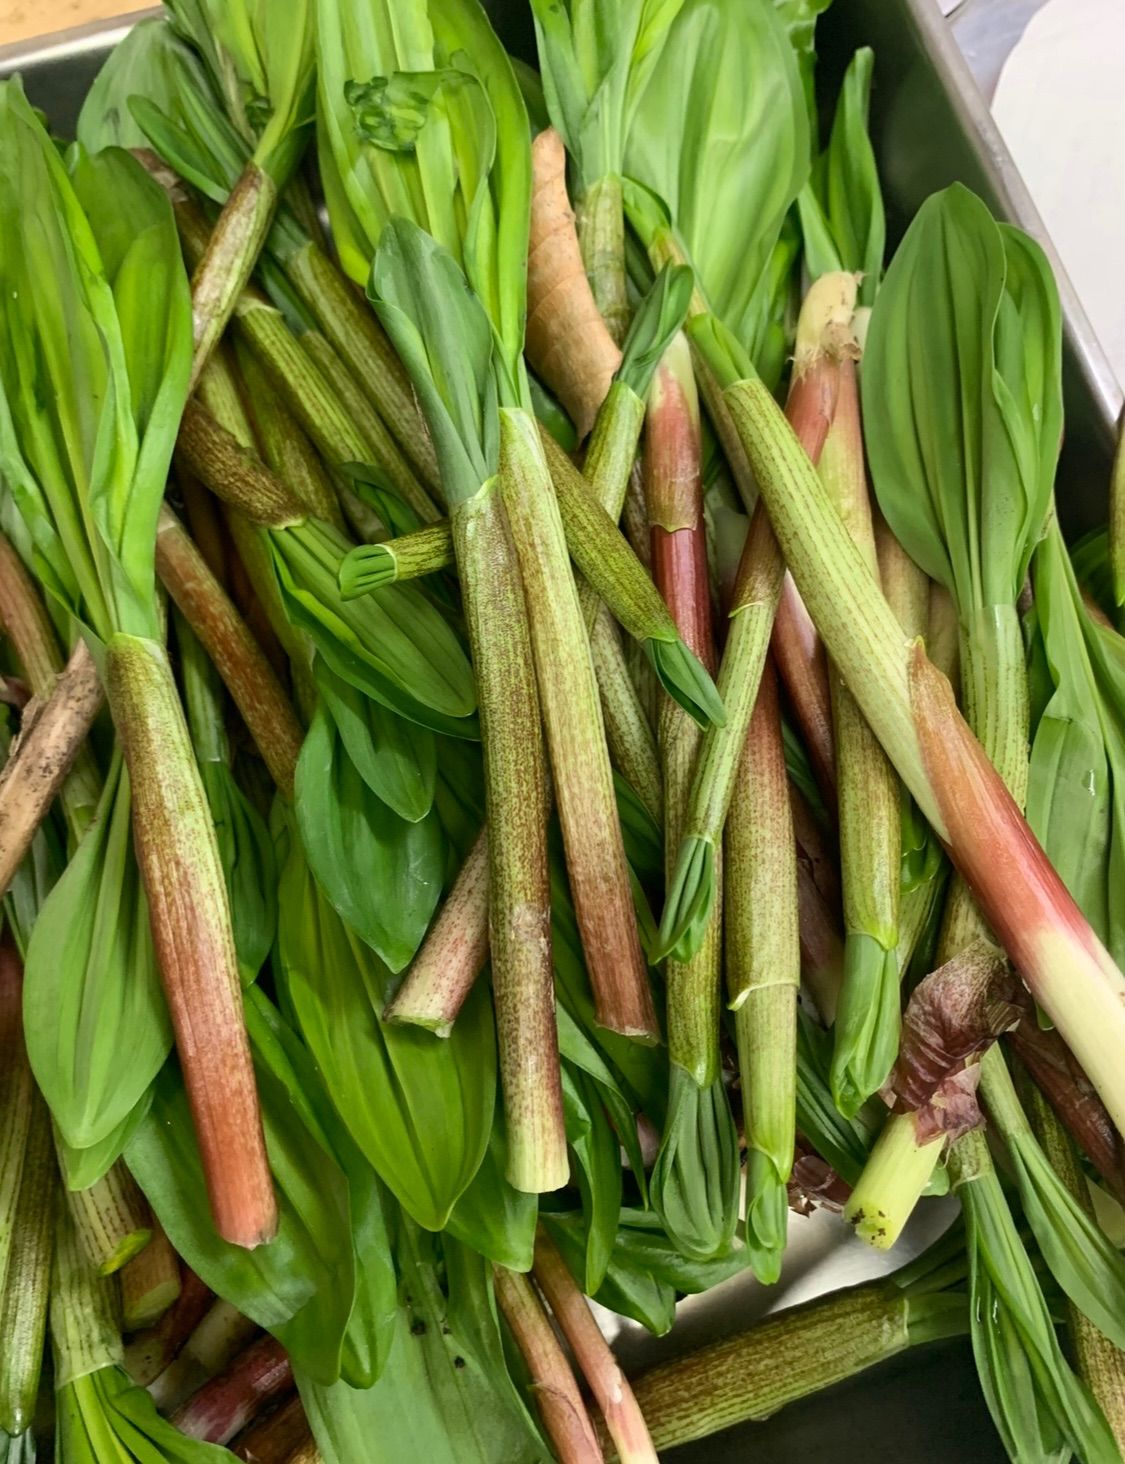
(1030, 1389)
(963, 358)
(443, 335)
(585, 53)
(695, 1179)
(491, 1217)
(658, 318)
(96, 1025)
(396, 760)
(262, 60)
(596, 1167)
(852, 196)
(392, 644)
(799, 18)
(83, 1167)
(103, 1416)
(382, 873)
(301, 1286)
(446, 1386)
(629, 1288)
(718, 131)
(245, 844)
(419, 1107)
(1076, 782)
(371, 1325)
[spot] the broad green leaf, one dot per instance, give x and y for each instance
(442, 333)
(301, 1286)
(261, 57)
(96, 1025)
(446, 1386)
(419, 1107)
(963, 359)
(371, 1325)
(382, 873)
(596, 1167)
(629, 1289)
(719, 133)
(396, 760)
(491, 1217)
(1076, 782)
(83, 1167)
(799, 18)
(392, 644)
(1027, 1382)
(104, 1418)
(658, 317)
(585, 54)
(841, 207)
(467, 179)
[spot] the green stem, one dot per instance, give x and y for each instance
(111, 1220)
(763, 970)
(897, 1171)
(362, 344)
(83, 1327)
(601, 237)
(23, 1305)
(285, 447)
(516, 801)
(225, 266)
(787, 1357)
(911, 710)
(628, 731)
(575, 735)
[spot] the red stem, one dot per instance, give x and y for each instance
(225, 1405)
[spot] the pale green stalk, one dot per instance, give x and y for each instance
(150, 1283)
(790, 1356)
(576, 738)
(763, 974)
(23, 1305)
(868, 1013)
(912, 712)
(111, 1220)
(810, 408)
(600, 215)
(516, 797)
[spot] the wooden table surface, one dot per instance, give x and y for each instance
(21, 20)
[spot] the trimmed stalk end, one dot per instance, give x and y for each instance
(893, 1179)
(826, 323)
(689, 902)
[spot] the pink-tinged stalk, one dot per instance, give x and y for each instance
(174, 839)
(215, 1341)
(1068, 970)
(911, 709)
(605, 1379)
(1074, 1100)
(822, 946)
(799, 655)
(810, 408)
(226, 1404)
(678, 544)
(52, 732)
(565, 1420)
(583, 780)
(224, 635)
(518, 889)
(568, 343)
(453, 953)
(276, 1439)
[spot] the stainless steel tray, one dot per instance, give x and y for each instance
(930, 126)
